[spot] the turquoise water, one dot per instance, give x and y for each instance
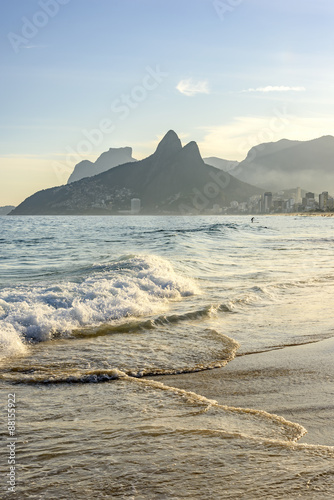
(90, 307)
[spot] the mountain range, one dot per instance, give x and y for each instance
(174, 179)
(279, 165)
(107, 160)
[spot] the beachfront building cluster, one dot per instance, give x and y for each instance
(289, 201)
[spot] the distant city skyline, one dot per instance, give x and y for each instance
(79, 77)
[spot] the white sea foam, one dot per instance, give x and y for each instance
(11, 343)
(131, 287)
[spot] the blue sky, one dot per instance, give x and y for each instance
(80, 76)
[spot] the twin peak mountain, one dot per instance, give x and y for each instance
(173, 180)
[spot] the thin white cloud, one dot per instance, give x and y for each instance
(276, 88)
(191, 88)
(34, 46)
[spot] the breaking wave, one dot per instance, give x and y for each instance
(133, 286)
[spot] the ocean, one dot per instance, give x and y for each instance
(167, 357)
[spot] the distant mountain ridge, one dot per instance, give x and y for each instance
(225, 165)
(174, 179)
(107, 160)
(282, 164)
(6, 209)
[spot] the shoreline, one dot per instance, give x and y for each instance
(295, 382)
(303, 214)
(251, 214)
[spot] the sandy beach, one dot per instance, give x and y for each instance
(308, 214)
(296, 383)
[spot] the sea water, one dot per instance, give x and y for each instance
(101, 317)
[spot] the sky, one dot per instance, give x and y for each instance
(81, 76)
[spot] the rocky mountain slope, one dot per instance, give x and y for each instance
(172, 180)
(284, 164)
(109, 159)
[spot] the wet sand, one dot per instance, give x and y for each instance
(296, 383)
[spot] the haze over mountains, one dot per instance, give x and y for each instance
(226, 165)
(107, 160)
(174, 179)
(6, 209)
(284, 164)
